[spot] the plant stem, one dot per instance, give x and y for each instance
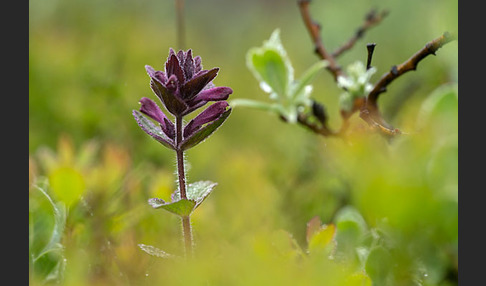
(187, 232)
(180, 158)
(186, 220)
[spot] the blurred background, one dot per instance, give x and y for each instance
(97, 169)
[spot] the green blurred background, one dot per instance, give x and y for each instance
(86, 74)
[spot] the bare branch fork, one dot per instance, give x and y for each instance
(367, 107)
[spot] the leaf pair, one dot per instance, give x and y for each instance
(196, 193)
(197, 135)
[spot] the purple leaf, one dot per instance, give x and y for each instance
(172, 67)
(158, 75)
(213, 94)
(153, 130)
(197, 64)
(188, 65)
(151, 109)
(173, 103)
(204, 132)
(211, 113)
(193, 86)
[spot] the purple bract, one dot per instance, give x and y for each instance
(182, 88)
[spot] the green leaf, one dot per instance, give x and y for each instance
(351, 228)
(440, 109)
(271, 70)
(154, 251)
(47, 220)
(197, 191)
(271, 66)
(181, 208)
(321, 240)
(379, 265)
(204, 132)
(59, 210)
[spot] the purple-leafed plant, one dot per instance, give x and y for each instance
(183, 88)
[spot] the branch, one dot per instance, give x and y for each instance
(367, 106)
(314, 30)
(369, 111)
(371, 19)
(410, 64)
(321, 130)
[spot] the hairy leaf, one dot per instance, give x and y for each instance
(154, 251)
(181, 207)
(271, 66)
(203, 133)
(197, 192)
(152, 130)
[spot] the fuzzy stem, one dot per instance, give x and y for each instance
(186, 220)
(187, 232)
(180, 158)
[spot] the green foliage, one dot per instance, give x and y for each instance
(181, 207)
(379, 265)
(84, 77)
(67, 184)
(151, 128)
(272, 68)
(196, 193)
(47, 220)
(356, 84)
(203, 133)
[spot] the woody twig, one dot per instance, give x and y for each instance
(372, 19)
(367, 106)
(369, 111)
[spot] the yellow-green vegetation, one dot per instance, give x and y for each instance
(289, 207)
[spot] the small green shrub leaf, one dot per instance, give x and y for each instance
(271, 66)
(47, 220)
(379, 265)
(440, 108)
(351, 228)
(59, 210)
(322, 239)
